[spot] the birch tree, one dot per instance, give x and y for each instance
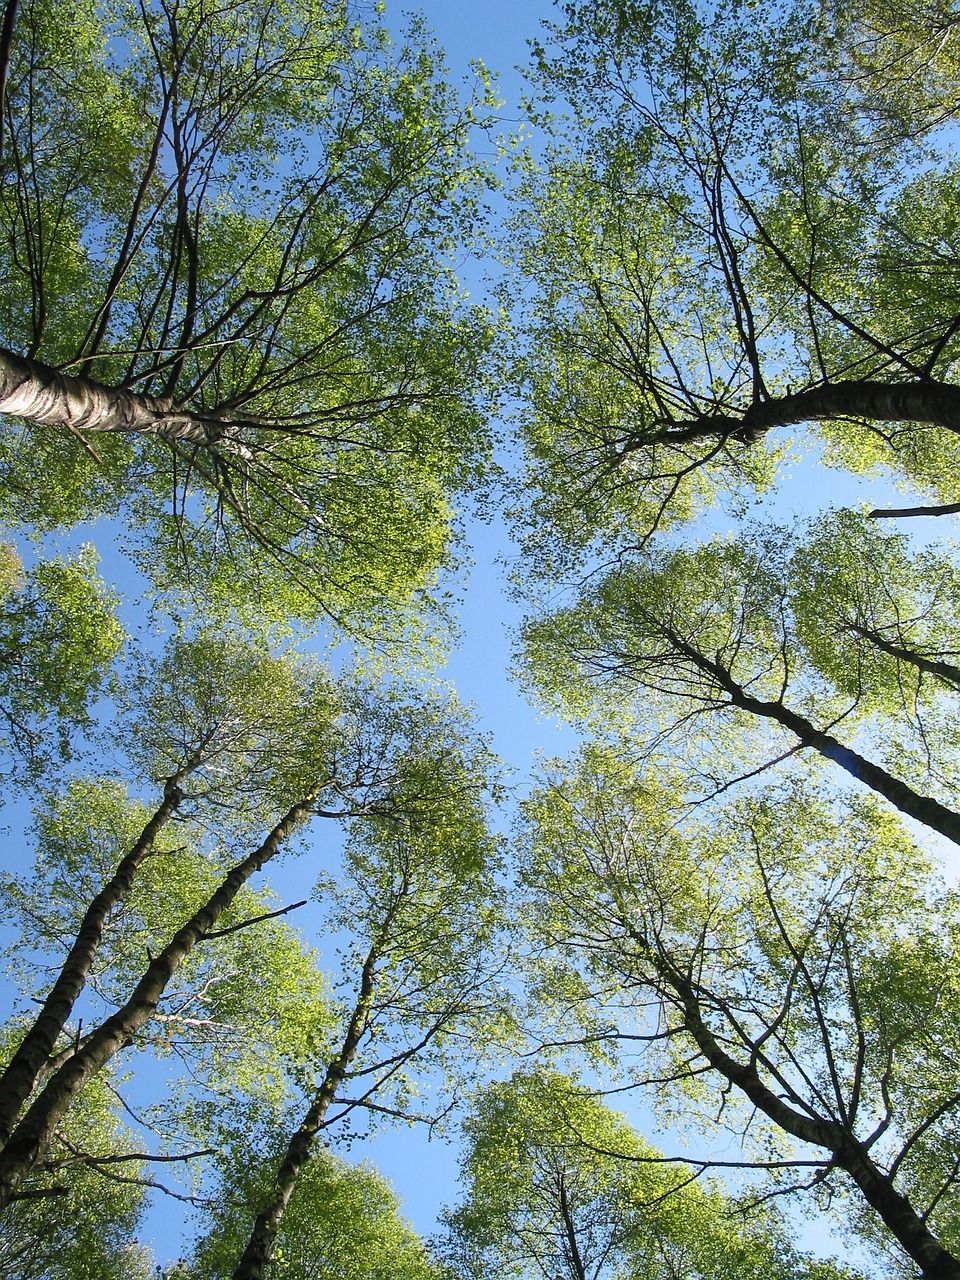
(743, 652)
(734, 237)
(781, 970)
(86, 1203)
(213, 721)
(224, 242)
(355, 756)
(420, 899)
(343, 1220)
(557, 1184)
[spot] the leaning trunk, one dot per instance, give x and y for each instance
(893, 1208)
(936, 403)
(35, 1132)
(263, 1237)
(27, 1064)
(945, 671)
(925, 810)
(39, 393)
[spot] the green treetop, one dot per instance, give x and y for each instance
(730, 235)
(781, 970)
(224, 242)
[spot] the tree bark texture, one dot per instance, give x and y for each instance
(936, 403)
(35, 1132)
(945, 671)
(39, 393)
(26, 1065)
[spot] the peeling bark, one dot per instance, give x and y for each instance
(39, 393)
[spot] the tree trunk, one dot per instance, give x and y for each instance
(894, 1209)
(937, 403)
(35, 1132)
(267, 1224)
(929, 812)
(39, 393)
(26, 1065)
(576, 1261)
(945, 671)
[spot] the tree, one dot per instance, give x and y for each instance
(79, 1220)
(877, 614)
(421, 901)
(223, 241)
(557, 1185)
(734, 233)
(707, 644)
(221, 724)
(792, 953)
(357, 754)
(342, 1221)
(60, 639)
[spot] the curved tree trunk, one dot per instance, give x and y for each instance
(876, 1187)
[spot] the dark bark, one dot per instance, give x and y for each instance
(925, 810)
(569, 1230)
(27, 1064)
(890, 513)
(944, 671)
(936, 403)
(33, 1135)
(846, 1152)
(263, 1237)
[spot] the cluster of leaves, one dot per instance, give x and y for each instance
(172, 954)
(741, 225)
(728, 235)
(558, 1185)
(229, 319)
(230, 324)
(231, 229)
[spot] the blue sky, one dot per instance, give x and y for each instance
(424, 1172)
(494, 33)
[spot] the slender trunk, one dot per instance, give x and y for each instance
(35, 1132)
(944, 671)
(6, 47)
(876, 1187)
(937, 403)
(576, 1260)
(26, 1065)
(890, 513)
(929, 812)
(259, 1247)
